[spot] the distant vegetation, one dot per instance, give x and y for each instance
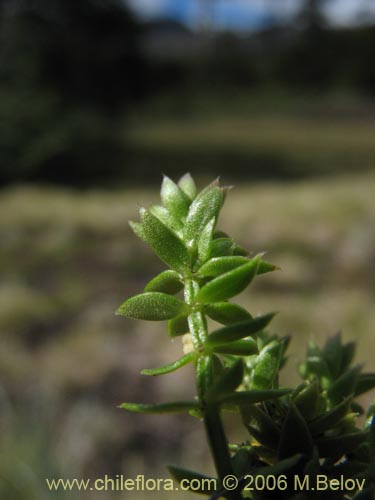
(72, 72)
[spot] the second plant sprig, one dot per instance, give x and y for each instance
(210, 268)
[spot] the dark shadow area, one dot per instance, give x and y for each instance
(83, 86)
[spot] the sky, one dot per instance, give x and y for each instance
(245, 14)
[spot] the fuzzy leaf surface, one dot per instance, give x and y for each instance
(152, 306)
(228, 284)
(227, 313)
(238, 331)
(166, 282)
(164, 242)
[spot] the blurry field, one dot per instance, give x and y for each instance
(68, 259)
(268, 135)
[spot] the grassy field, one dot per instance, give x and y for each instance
(68, 259)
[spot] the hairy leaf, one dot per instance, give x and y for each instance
(178, 326)
(267, 366)
(238, 331)
(226, 313)
(187, 185)
(238, 348)
(205, 239)
(220, 265)
(205, 207)
(174, 199)
(228, 284)
(166, 282)
(152, 306)
(164, 242)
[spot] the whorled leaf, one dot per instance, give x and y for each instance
(171, 367)
(295, 435)
(174, 198)
(166, 282)
(260, 423)
(187, 185)
(344, 385)
(240, 398)
(168, 219)
(228, 284)
(227, 382)
(205, 207)
(226, 313)
(153, 306)
(308, 400)
(267, 366)
(221, 247)
(205, 239)
(337, 446)
(238, 331)
(164, 242)
(365, 382)
(238, 348)
(331, 418)
(220, 265)
(178, 326)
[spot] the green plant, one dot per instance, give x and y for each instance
(305, 432)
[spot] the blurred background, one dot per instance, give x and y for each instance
(98, 98)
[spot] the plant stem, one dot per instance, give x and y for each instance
(211, 412)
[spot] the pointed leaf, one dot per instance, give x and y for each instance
(308, 400)
(220, 265)
(331, 418)
(164, 242)
(138, 230)
(333, 354)
(221, 247)
(348, 352)
(248, 397)
(295, 435)
(152, 306)
(169, 220)
(171, 367)
(227, 313)
(205, 207)
(204, 241)
(174, 199)
(335, 447)
(265, 267)
(365, 382)
(207, 483)
(166, 282)
(238, 331)
(227, 382)
(228, 284)
(267, 366)
(187, 185)
(178, 326)
(344, 385)
(268, 433)
(238, 250)
(239, 348)
(176, 407)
